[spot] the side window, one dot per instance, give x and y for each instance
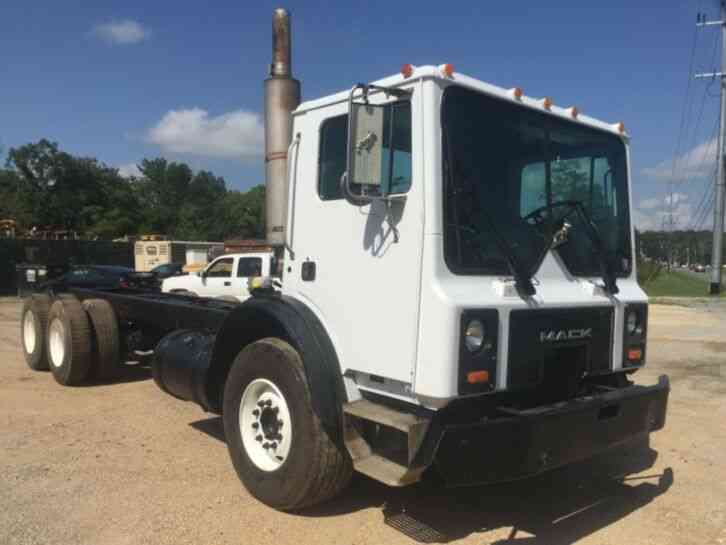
(222, 268)
(332, 157)
(397, 148)
(395, 156)
(249, 267)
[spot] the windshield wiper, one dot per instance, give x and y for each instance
(606, 269)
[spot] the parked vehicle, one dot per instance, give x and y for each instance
(152, 253)
(454, 288)
(99, 277)
(225, 277)
(167, 269)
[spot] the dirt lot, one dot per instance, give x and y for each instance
(123, 463)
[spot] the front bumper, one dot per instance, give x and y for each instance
(521, 443)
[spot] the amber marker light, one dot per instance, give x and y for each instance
(573, 111)
(477, 377)
(407, 70)
(517, 92)
(635, 354)
(547, 103)
(447, 70)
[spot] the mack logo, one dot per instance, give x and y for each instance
(553, 336)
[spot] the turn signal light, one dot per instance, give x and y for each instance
(477, 377)
(635, 354)
(407, 70)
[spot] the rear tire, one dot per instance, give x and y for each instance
(107, 347)
(312, 468)
(68, 341)
(33, 324)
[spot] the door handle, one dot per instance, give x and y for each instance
(228, 283)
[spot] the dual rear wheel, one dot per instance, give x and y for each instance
(75, 341)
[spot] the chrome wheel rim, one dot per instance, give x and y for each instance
(29, 337)
(56, 342)
(265, 424)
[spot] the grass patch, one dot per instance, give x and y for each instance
(676, 284)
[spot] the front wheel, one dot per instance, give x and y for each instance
(277, 443)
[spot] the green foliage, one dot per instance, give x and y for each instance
(676, 284)
(44, 187)
(648, 271)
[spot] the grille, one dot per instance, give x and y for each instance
(553, 349)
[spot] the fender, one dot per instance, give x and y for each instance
(287, 318)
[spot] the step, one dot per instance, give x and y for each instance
(375, 412)
(388, 472)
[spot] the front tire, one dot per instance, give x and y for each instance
(277, 443)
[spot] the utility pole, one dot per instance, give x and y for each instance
(720, 194)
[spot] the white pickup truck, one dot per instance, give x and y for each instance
(225, 277)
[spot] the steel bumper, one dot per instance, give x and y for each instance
(521, 443)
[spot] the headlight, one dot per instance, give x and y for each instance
(633, 325)
(474, 335)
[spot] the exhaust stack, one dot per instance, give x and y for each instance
(282, 96)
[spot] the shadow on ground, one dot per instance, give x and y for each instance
(130, 372)
(557, 507)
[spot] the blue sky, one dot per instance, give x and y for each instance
(125, 80)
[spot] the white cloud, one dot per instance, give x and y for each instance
(237, 134)
(695, 163)
(654, 213)
(123, 32)
(129, 170)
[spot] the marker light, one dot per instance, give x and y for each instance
(635, 354)
(620, 127)
(573, 111)
(516, 92)
(407, 70)
(547, 103)
(447, 70)
(477, 377)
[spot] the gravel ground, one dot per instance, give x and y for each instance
(125, 464)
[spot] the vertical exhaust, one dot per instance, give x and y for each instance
(282, 96)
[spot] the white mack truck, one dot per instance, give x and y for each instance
(455, 291)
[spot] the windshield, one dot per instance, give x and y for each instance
(505, 169)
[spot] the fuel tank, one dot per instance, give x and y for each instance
(180, 364)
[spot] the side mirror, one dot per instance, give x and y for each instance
(365, 146)
(379, 146)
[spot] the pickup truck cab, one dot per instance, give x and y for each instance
(225, 277)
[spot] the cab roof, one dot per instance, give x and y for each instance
(514, 95)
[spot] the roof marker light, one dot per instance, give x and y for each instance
(516, 93)
(447, 70)
(573, 111)
(547, 103)
(619, 126)
(407, 70)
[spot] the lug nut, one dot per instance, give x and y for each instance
(261, 404)
(256, 412)
(269, 403)
(258, 438)
(273, 445)
(275, 410)
(266, 446)
(255, 425)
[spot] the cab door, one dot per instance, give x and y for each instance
(359, 266)
(217, 277)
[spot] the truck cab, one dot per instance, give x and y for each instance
(489, 236)
(225, 277)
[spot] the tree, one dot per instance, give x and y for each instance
(244, 213)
